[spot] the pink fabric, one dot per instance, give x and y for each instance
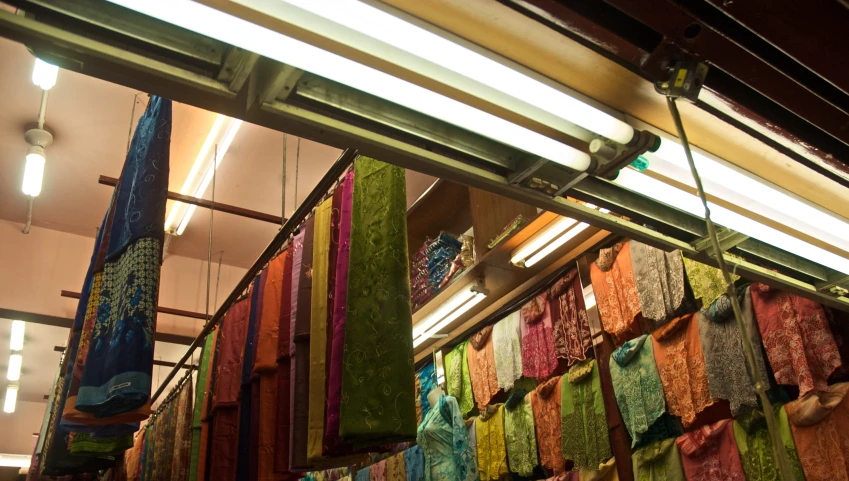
(340, 297)
(538, 357)
(377, 472)
(281, 441)
(710, 453)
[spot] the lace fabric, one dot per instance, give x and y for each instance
(659, 278)
(585, 436)
(616, 292)
(545, 402)
(520, 438)
(458, 379)
(659, 461)
(507, 344)
(572, 336)
(491, 450)
(710, 453)
(444, 442)
(819, 422)
(481, 360)
(637, 385)
(706, 281)
(538, 358)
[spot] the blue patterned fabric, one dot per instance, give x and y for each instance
(244, 458)
(427, 382)
(445, 443)
(117, 374)
(414, 463)
(362, 474)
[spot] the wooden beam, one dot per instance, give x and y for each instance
(207, 204)
(157, 362)
(163, 310)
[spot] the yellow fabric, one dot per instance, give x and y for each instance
(318, 329)
(492, 452)
(606, 472)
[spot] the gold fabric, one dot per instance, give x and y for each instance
(492, 452)
(318, 329)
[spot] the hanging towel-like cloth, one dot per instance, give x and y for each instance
(234, 329)
(120, 358)
(545, 401)
(283, 419)
(318, 329)
(198, 408)
(377, 379)
(300, 370)
(481, 358)
(243, 470)
(755, 445)
(520, 437)
(183, 437)
(507, 342)
(492, 453)
(267, 338)
(340, 299)
(659, 277)
(572, 337)
(616, 292)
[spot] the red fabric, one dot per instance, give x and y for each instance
(538, 357)
(710, 453)
(269, 325)
(572, 338)
(281, 441)
(228, 378)
(224, 446)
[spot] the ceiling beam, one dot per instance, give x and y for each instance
(160, 309)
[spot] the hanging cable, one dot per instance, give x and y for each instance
(297, 165)
(754, 369)
(283, 196)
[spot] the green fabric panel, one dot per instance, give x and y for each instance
(378, 379)
(197, 414)
(458, 380)
(84, 445)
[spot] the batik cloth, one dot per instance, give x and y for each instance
(458, 381)
(378, 395)
(572, 337)
(659, 461)
(545, 401)
(481, 359)
(414, 463)
(616, 292)
(755, 445)
(444, 442)
(427, 381)
(681, 365)
(183, 436)
(491, 449)
(198, 411)
(507, 344)
(710, 453)
(520, 438)
(796, 337)
(820, 425)
(659, 278)
(396, 469)
(538, 357)
(706, 281)
(318, 329)
(585, 436)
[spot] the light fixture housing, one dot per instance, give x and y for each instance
(219, 139)
(44, 74)
(34, 171)
(16, 337)
(11, 398)
(235, 31)
(15, 460)
(457, 305)
(14, 371)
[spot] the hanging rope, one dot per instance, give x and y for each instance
(754, 369)
(283, 197)
(297, 165)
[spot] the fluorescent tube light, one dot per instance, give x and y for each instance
(243, 34)
(221, 134)
(457, 305)
(541, 239)
(15, 460)
(44, 74)
(667, 194)
(14, 371)
(395, 36)
(11, 398)
(552, 246)
(734, 185)
(589, 297)
(34, 171)
(16, 339)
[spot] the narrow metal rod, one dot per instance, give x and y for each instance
(42, 109)
(163, 310)
(29, 214)
(754, 369)
(336, 170)
(283, 196)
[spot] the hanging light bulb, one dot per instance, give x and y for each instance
(11, 398)
(34, 172)
(44, 74)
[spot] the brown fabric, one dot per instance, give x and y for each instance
(481, 360)
(267, 425)
(545, 402)
(266, 347)
(681, 365)
(533, 310)
(820, 425)
(615, 291)
(228, 378)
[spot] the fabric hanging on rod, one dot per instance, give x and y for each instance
(206, 416)
(538, 357)
(300, 370)
(246, 396)
(83, 444)
(340, 298)
(118, 374)
(427, 381)
(267, 426)
(545, 402)
(318, 328)
(458, 381)
(481, 358)
(755, 446)
(507, 342)
(282, 428)
(199, 404)
(132, 459)
(444, 441)
(572, 337)
(659, 279)
(584, 431)
(491, 449)
(183, 436)
(267, 339)
(616, 292)
(234, 330)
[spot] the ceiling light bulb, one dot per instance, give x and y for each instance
(16, 339)
(14, 371)
(34, 171)
(11, 398)
(44, 74)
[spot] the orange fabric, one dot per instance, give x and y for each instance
(482, 370)
(267, 425)
(616, 293)
(820, 425)
(266, 349)
(545, 402)
(681, 364)
(207, 406)
(134, 416)
(133, 457)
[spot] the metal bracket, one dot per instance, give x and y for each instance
(727, 239)
(685, 80)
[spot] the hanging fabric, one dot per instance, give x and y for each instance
(458, 381)
(507, 344)
(820, 425)
(266, 367)
(427, 381)
(414, 463)
(616, 292)
(520, 438)
(584, 429)
(710, 453)
(183, 436)
(545, 401)
(246, 398)
(659, 279)
(282, 435)
(481, 359)
(318, 329)
(660, 461)
(444, 441)
(199, 408)
(491, 449)
(755, 446)
(706, 281)
(538, 357)
(300, 370)
(572, 337)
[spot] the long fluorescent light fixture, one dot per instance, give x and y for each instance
(200, 176)
(457, 305)
(547, 240)
(422, 46)
(16, 339)
(734, 185)
(14, 371)
(674, 197)
(243, 34)
(15, 460)
(11, 398)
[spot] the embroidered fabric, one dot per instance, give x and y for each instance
(489, 434)
(681, 365)
(616, 292)
(585, 436)
(637, 385)
(507, 343)
(427, 381)
(395, 468)
(533, 310)
(538, 357)
(183, 438)
(820, 425)
(414, 463)
(481, 359)
(520, 438)
(659, 278)
(444, 442)
(706, 282)
(659, 461)
(710, 453)
(458, 379)
(798, 342)
(755, 446)
(545, 402)
(572, 336)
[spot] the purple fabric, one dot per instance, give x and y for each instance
(300, 381)
(297, 247)
(332, 441)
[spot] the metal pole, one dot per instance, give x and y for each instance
(754, 369)
(324, 185)
(29, 214)
(42, 109)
